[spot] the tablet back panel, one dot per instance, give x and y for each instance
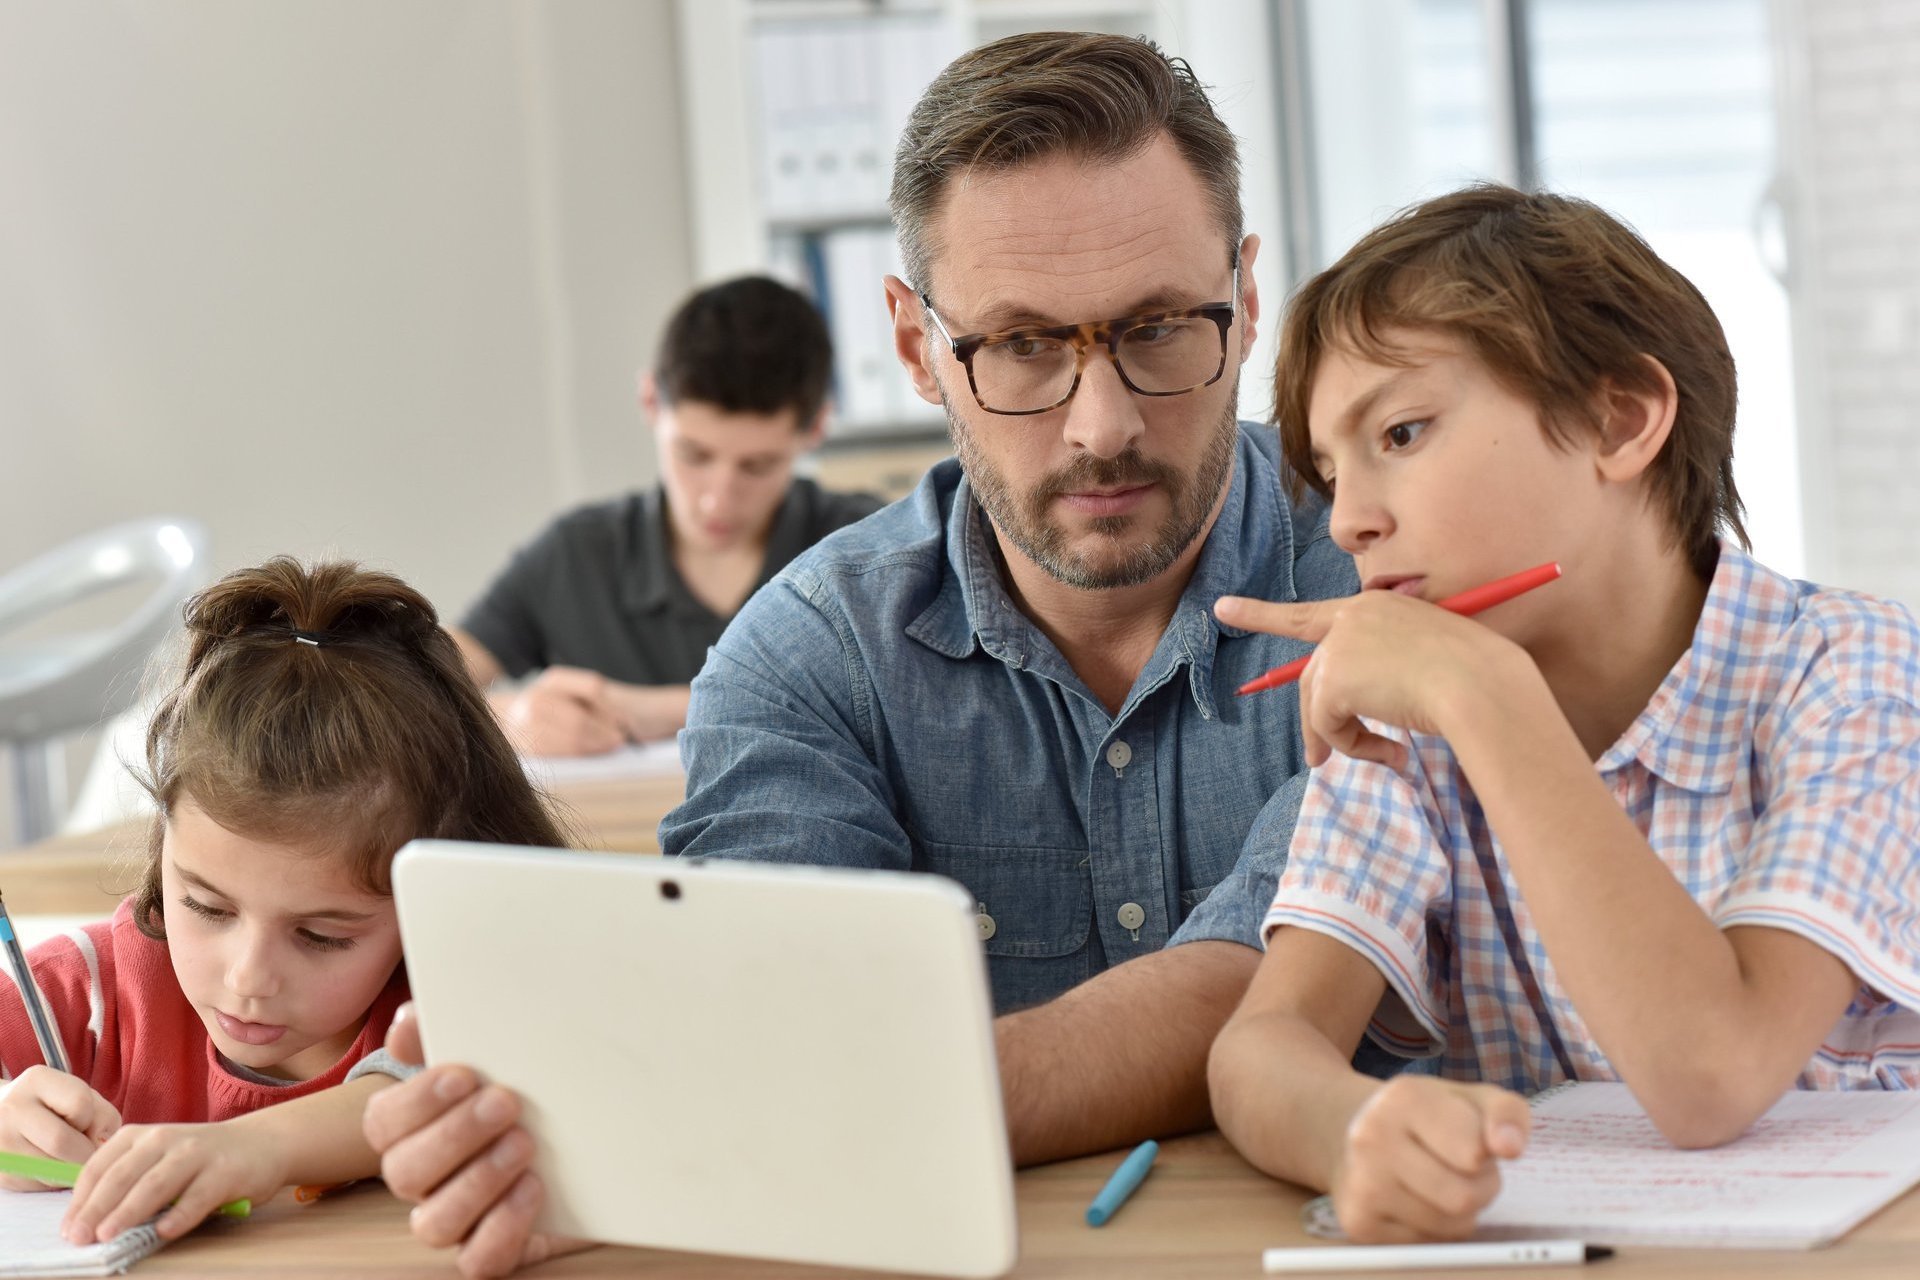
(771, 1061)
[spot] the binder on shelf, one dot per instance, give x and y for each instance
(783, 135)
(834, 96)
(825, 110)
(862, 340)
(868, 157)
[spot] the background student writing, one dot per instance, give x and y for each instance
(322, 719)
(615, 604)
(1655, 822)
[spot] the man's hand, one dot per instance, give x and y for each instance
(649, 712)
(453, 1146)
(564, 711)
(1421, 1159)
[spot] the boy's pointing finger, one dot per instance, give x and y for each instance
(1298, 621)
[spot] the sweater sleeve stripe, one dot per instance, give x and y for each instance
(96, 994)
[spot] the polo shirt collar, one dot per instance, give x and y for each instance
(1694, 732)
(650, 581)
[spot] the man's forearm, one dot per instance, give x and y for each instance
(1121, 1057)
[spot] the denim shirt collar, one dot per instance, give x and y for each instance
(972, 609)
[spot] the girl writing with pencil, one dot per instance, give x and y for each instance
(1654, 822)
(211, 1028)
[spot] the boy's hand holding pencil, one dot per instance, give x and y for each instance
(1389, 656)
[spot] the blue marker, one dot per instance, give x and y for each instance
(1130, 1174)
(50, 1051)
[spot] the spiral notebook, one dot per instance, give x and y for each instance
(30, 1243)
(1811, 1169)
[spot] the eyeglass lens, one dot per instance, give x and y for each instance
(1025, 373)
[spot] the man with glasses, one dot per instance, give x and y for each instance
(1013, 677)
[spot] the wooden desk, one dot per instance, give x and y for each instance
(1201, 1213)
(88, 874)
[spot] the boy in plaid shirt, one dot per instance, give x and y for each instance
(1655, 822)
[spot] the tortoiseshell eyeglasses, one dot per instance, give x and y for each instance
(1164, 353)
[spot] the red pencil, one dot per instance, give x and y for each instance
(1466, 604)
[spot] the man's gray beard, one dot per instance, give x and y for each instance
(1023, 519)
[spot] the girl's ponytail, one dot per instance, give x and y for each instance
(326, 707)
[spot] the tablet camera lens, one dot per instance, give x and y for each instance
(670, 890)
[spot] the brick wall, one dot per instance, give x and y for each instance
(1850, 106)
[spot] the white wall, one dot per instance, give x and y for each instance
(354, 278)
(363, 278)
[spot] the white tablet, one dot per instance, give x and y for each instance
(739, 1058)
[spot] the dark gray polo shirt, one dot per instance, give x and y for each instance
(598, 588)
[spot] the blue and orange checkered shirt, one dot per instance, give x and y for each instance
(1776, 771)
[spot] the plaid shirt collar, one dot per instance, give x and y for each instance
(1696, 731)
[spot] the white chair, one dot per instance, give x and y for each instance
(53, 686)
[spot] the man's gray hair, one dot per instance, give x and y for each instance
(1027, 97)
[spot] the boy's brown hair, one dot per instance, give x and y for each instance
(1558, 299)
(326, 707)
(1039, 94)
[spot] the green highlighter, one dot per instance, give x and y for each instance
(59, 1173)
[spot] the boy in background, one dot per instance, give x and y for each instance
(616, 603)
(1655, 822)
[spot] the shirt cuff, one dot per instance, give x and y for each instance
(382, 1063)
(1406, 1022)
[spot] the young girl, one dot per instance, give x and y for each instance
(212, 1026)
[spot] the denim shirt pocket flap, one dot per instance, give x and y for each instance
(1039, 902)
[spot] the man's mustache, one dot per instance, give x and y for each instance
(1126, 471)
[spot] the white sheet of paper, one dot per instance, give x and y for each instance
(635, 760)
(1809, 1170)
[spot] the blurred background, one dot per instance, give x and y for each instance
(374, 280)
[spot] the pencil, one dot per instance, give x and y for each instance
(51, 1051)
(1466, 604)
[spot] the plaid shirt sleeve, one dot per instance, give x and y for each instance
(1366, 869)
(1834, 853)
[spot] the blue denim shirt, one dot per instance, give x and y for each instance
(883, 703)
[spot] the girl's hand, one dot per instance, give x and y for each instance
(1421, 1159)
(1382, 655)
(50, 1113)
(144, 1168)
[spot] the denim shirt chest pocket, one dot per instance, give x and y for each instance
(1035, 915)
(1035, 902)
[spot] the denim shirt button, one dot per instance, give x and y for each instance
(985, 924)
(1130, 915)
(1117, 755)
